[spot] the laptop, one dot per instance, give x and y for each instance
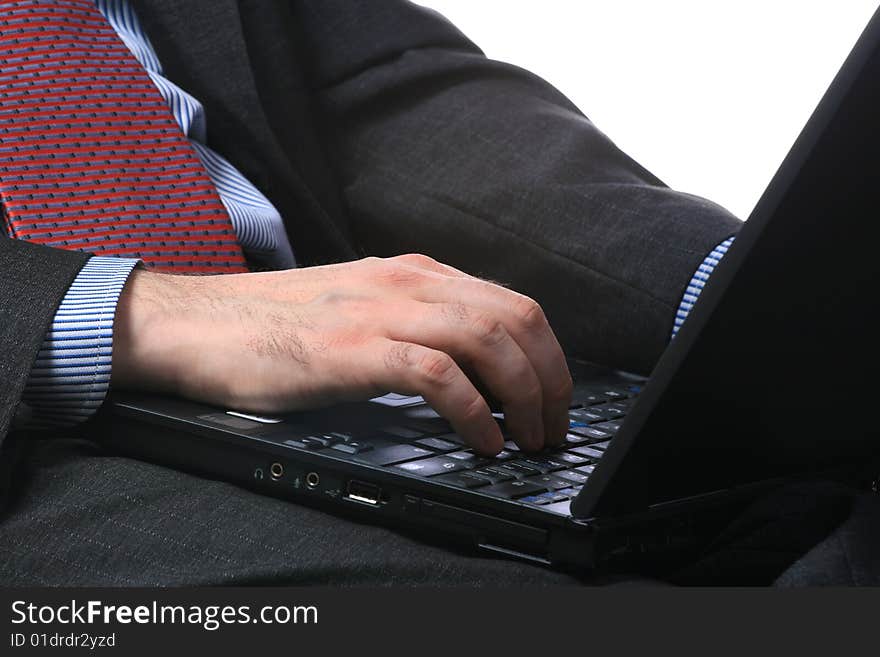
(772, 378)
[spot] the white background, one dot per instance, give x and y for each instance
(708, 95)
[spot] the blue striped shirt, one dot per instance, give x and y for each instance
(71, 375)
(697, 282)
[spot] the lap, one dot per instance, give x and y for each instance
(80, 517)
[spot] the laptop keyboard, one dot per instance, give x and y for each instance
(426, 447)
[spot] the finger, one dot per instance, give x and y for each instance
(527, 325)
(410, 368)
(479, 343)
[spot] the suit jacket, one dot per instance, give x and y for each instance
(376, 127)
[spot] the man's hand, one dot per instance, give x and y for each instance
(283, 341)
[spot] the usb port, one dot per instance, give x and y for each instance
(359, 491)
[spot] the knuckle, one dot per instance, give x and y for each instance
(396, 274)
(417, 259)
(529, 313)
(474, 409)
(488, 330)
(399, 356)
(437, 369)
(532, 392)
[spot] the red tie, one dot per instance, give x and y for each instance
(91, 157)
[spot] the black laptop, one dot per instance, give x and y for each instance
(773, 377)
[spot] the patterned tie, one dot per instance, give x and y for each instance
(91, 157)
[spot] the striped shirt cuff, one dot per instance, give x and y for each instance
(695, 287)
(71, 375)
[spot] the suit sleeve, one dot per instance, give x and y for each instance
(34, 281)
(485, 166)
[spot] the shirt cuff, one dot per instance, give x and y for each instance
(71, 375)
(695, 287)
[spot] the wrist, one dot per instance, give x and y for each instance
(148, 329)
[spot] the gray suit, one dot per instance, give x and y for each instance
(375, 127)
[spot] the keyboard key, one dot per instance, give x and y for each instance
(343, 437)
(538, 464)
(394, 400)
(352, 447)
(572, 459)
(394, 454)
(591, 399)
(512, 446)
(616, 393)
(611, 427)
(423, 412)
(428, 427)
(610, 411)
(402, 432)
(603, 445)
(535, 499)
(433, 466)
(572, 477)
(467, 456)
(557, 462)
(591, 432)
(551, 482)
(586, 469)
(438, 444)
(523, 468)
(452, 438)
(319, 442)
(551, 462)
(512, 490)
(491, 475)
(504, 469)
(462, 480)
(588, 452)
(588, 415)
(554, 496)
